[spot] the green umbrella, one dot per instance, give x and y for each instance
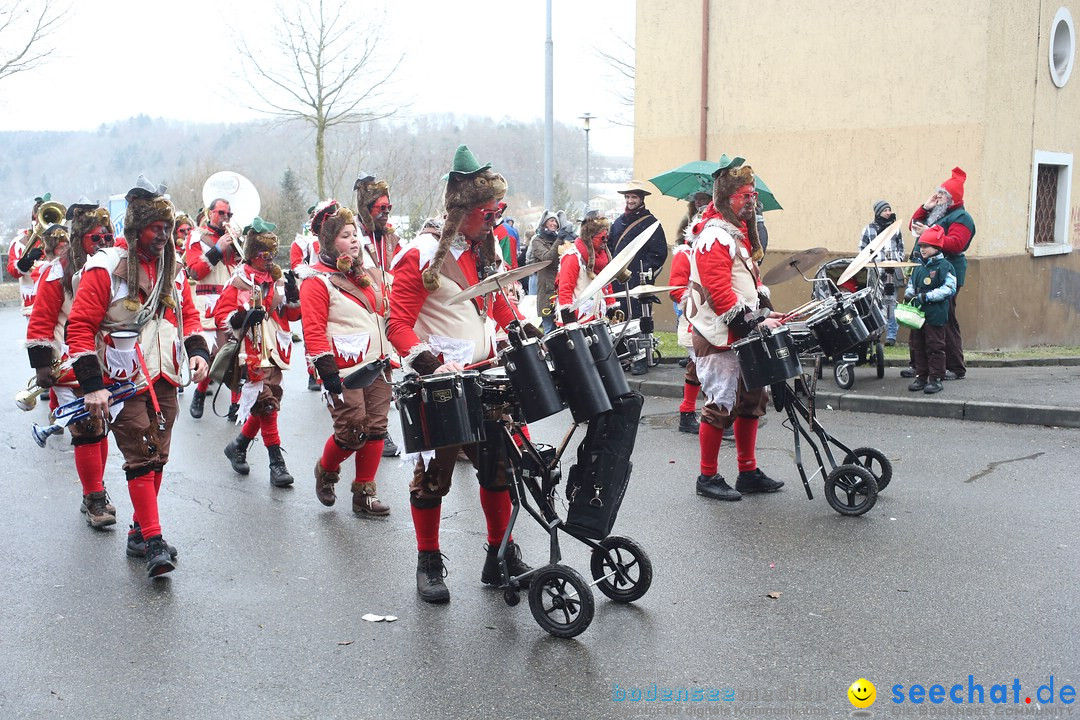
(697, 176)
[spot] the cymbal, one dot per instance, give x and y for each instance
(863, 258)
(651, 290)
(618, 263)
(500, 279)
(894, 264)
(795, 265)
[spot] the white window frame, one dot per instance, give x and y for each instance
(1061, 244)
(1063, 16)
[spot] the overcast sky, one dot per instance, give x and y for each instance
(176, 61)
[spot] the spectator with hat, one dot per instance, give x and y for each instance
(883, 218)
(930, 288)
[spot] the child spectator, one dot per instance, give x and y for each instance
(930, 286)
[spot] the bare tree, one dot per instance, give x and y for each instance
(24, 29)
(326, 66)
(621, 63)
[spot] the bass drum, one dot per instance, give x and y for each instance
(767, 358)
(533, 383)
(441, 411)
(602, 348)
(579, 380)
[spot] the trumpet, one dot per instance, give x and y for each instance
(26, 399)
(75, 410)
(50, 213)
(236, 234)
(261, 335)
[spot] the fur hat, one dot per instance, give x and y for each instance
(593, 224)
(259, 237)
(726, 182)
(147, 205)
(469, 185)
(955, 186)
(53, 236)
(81, 224)
(326, 223)
(79, 206)
(368, 192)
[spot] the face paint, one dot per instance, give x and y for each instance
(744, 203)
(153, 237)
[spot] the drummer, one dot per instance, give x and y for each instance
(434, 336)
(578, 266)
(725, 294)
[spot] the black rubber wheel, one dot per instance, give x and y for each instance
(879, 350)
(851, 490)
(873, 460)
(512, 597)
(624, 572)
(844, 374)
(561, 601)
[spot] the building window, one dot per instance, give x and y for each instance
(1050, 193)
(1062, 47)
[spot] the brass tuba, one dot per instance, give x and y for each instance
(50, 213)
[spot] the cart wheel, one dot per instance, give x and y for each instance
(873, 460)
(561, 601)
(624, 572)
(844, 375)
(512, 597)
(879, 350)
(851, 490)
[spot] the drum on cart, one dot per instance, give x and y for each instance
(579, 380)
(838, 328)
(767, 357)
(532, 380)
(440, 411)
(602, 348)
(869, 310)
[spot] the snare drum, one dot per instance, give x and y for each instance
(441, 411)
(579, 380)
(765, 359)
(867, 306)
(602, 348)
(533, 383)
(628, 340)
(838, 328)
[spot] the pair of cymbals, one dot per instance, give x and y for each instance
(492, 283)
(795, 265)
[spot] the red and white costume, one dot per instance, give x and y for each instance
(573, 278)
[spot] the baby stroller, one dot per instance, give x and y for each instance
(866, 293)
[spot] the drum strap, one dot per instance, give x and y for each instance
(631, 226)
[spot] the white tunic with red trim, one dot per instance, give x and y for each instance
(100, 298)
(210, 279)
(723, 281)
(463, 332)
(238, 296)
(48, 319)
(572, 280)
(348, 324)
(304, 250)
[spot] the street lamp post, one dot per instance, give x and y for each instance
(586, 118)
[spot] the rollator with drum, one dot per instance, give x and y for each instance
(575, 367)
(826, 327)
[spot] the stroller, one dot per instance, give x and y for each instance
(866, 289)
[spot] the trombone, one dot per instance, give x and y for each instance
(50, 213)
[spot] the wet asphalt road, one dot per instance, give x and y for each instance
(967, 565)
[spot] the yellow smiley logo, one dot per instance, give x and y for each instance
(862, 693)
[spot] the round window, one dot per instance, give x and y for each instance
(1062, 47)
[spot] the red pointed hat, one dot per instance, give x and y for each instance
(933, 236)
(955, 186)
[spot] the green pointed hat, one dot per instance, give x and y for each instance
(465, 163)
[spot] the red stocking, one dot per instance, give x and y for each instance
(144, 500)
(90, 467)
(333, 455)
(426, 522)
(367, 460)
(746, 443)
(497, 509)
(709, 439)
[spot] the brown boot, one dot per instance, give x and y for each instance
(364, 501)
(94, 507)
(324, 484)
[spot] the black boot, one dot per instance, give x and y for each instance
(279, 474)
(639, 367)
(492, 574)
(756, 481)
(236, 451)
(198, 399)
(715, 487)
(158, 561)
(689, 423)
(430, 572)
(313, 384)
(234, 408)
(934, 386)
(389, 448)
(136, 546)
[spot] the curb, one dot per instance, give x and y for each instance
(884, 405)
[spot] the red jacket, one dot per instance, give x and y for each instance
(680, 271)
(955, 241)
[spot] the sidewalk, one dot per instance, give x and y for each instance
(1020, 392)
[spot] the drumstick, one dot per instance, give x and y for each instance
(482, 363)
